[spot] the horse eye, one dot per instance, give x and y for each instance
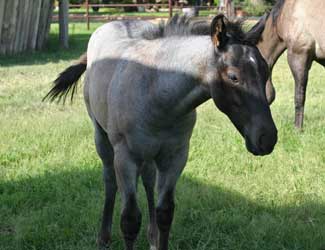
(232, 77)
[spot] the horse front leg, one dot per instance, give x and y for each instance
(299, 65)
(149, 181)
(170, 166)
(126, 170)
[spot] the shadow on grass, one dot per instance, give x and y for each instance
(53, 52)
(62, 211)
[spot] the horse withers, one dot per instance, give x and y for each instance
(143, 83)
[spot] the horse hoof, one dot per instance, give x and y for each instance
(103, 245)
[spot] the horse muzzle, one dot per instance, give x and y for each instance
(263, 142)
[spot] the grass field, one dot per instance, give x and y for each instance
(51, 191)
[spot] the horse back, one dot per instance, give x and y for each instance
(300, 25)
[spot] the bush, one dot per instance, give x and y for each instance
(91, 2)
(255, 10)
(76, 1)
(83, 1)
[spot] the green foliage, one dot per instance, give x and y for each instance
(270, 2)
(76, 1)
(238, 2)
(255, 10)
(51, 190)
(83, 1)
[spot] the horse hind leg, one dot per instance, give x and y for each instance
(126, 169)
(149, 181)
(105, 152)
(170, 166)
(299, 65)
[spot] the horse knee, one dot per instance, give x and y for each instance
(109, 177)
(165, 214)
(131, 220)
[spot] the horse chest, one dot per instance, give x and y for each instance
(146, 138)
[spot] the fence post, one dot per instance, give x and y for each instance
(87, 14)
(64, 23)
(170, 6)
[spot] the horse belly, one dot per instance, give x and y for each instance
(314, 25)
(145, 146)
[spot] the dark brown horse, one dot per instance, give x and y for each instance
(295, 25)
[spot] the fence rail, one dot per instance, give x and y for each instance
(88, 17)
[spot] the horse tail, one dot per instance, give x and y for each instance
(67, 81)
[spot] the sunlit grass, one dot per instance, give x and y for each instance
(51, 191)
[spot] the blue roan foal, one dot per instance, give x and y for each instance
(143, 83)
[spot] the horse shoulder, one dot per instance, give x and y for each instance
(299, 25)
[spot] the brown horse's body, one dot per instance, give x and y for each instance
(295, 25)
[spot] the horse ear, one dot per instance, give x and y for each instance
(219, 31)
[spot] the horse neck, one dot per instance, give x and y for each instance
(193, 71)
(271, 45)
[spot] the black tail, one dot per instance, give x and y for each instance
(67, 81)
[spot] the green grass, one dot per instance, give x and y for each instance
(51, 191)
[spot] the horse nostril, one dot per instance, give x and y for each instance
(267, 141)
(262, 142)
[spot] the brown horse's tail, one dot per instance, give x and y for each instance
(67, 81)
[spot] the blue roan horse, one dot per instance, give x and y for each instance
(143, 83)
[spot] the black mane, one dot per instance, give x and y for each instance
(177, 26)
(187, 26)
(276, 10)
(256, 31)
(236, 33)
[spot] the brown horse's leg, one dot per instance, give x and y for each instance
(126, 170)
(105, 151)
(299, 65)
(170, 166)
(149, 181)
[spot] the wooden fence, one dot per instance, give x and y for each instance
(86, 6)
(24, 24)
